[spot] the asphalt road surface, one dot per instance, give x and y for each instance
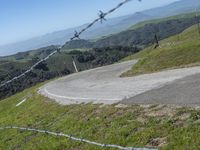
(184, 91)
(103, 85)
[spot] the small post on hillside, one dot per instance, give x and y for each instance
(74, 64)
(156, 41)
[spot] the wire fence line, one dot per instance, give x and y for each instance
(74, 138)
(101, 17)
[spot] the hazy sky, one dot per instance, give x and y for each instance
(23, 19)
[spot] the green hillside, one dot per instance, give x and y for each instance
(181, 50)
(137, 126)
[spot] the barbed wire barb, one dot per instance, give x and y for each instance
(76, 35)
(102, 16)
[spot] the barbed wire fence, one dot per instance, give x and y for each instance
(101, 18)
(73, 138)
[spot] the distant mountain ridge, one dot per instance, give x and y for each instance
(111, 26)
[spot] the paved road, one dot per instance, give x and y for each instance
(103, 85)
(184, 91)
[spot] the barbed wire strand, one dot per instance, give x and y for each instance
(101, 17)
(74, 138)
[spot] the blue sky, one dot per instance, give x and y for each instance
(24, 19)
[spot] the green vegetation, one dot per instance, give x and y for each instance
(181, 50)
(165, 127)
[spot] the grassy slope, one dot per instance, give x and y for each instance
(169, 127)
(177, 51)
